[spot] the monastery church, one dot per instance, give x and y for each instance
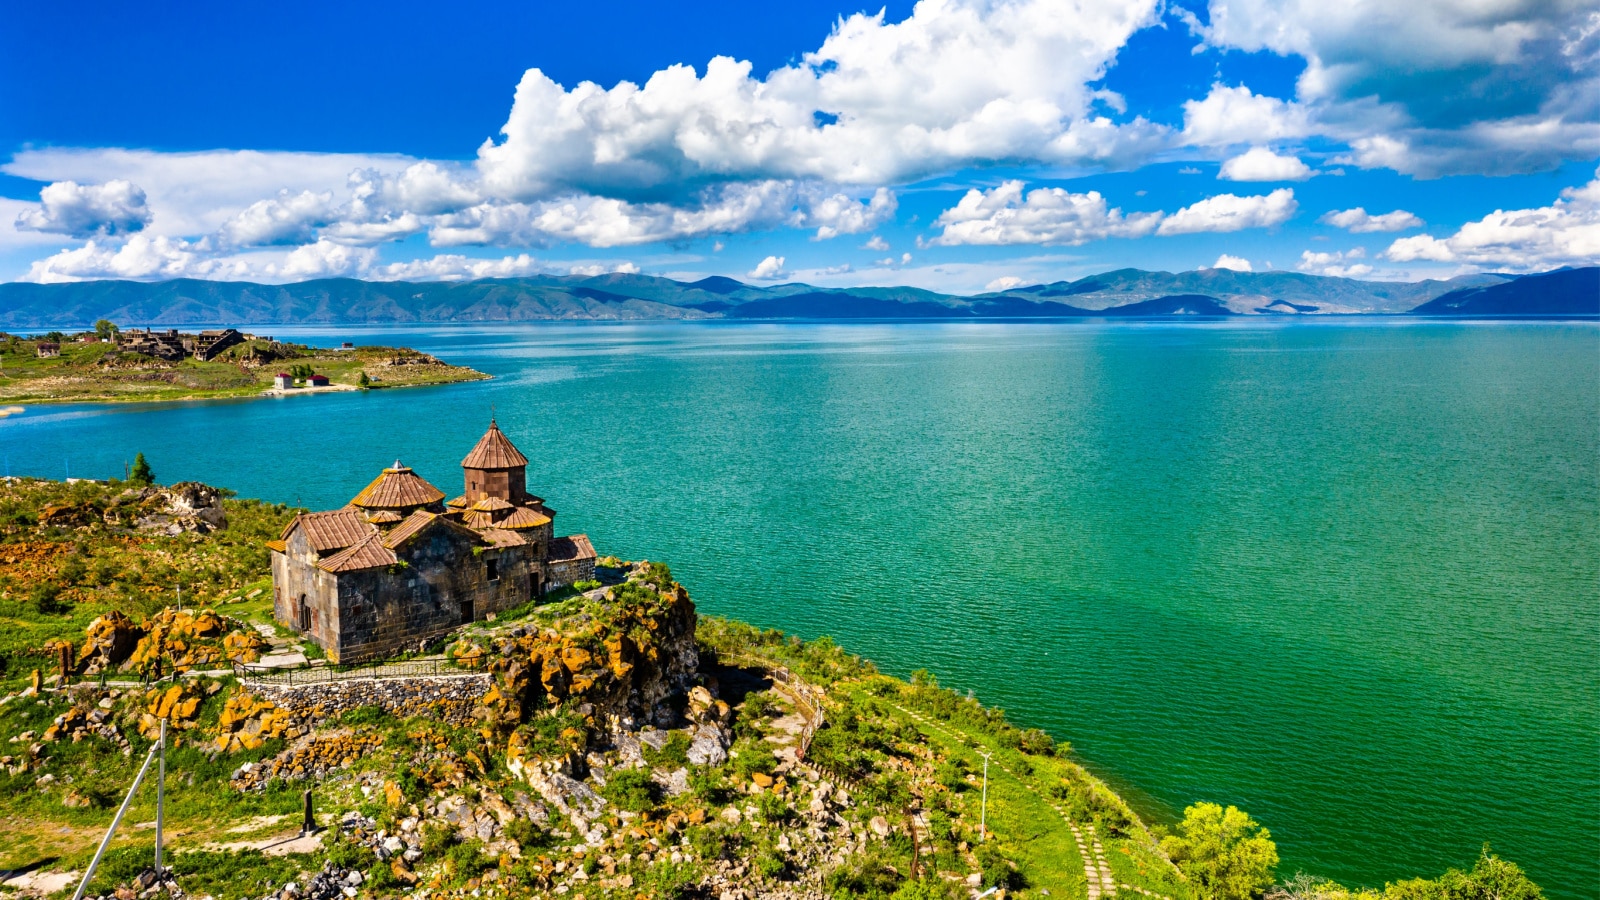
(398, 565)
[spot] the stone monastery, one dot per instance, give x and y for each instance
(398, 566)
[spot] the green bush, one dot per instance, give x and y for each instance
(997, 870)
(774, 810)
(631, 790)
(713, 842)
(862, 876)
(674, 753)
(771, 864)
(466, 861)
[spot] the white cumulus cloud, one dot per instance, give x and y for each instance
(769, 269)
(1338, 264)
(285, 219)
(1235, 115)
(1233, 263)
(1359, 221)
(959, 82)
(623, 268)
(1007, 215)
(1230, 212)
(1004, 283)
(116, 207)
(1434, 87)
(1565, 233)
(1261, 164)
(876, 243)
(455, 267)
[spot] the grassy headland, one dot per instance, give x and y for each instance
(537, 792)
(98, 372)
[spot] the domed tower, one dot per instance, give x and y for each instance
(396, 493)
(495, 468)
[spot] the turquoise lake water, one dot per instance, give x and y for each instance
(1345, 575)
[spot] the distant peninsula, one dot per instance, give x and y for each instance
(1122, 293)
(108, 364)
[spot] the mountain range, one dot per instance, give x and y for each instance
(1117, 294)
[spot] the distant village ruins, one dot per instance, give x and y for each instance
(398, 566)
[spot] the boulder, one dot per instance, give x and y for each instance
(709, 746)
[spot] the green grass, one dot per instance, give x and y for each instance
(83, 373)
(95, 572)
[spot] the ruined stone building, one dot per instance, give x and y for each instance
(398, 565)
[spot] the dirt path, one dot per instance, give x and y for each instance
(1096, 868)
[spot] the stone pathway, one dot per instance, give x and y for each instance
(1096, 869)
(283, 655)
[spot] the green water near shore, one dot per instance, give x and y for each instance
(1344, 575)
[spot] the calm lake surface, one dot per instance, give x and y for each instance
(1345, 575)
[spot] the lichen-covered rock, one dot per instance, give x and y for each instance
(187, 639)
(108, 642)
(248, 721)
(621, 659)
(178, 704)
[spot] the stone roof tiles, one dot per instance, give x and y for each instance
(334, 529)
(368, 554)
(410, 528)
(571, 548)
(499, 537)
(397, 488)
(492, 504)
(494, 451)
(523, 517)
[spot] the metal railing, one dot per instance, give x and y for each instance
(377, 671)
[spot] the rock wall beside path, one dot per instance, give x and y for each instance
(447, 697)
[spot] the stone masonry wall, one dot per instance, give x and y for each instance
(447, 697)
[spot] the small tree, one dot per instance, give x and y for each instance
(1226, 854)
(141, 474)
(105, 329)
(363, 381)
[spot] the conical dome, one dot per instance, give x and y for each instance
(398, 488)
(494, 451)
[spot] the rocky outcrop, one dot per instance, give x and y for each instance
(620, 663)
(194, 639)
(247, 722)
(314, 756)
(109, 641)
(185, 506)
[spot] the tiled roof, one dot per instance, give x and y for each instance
(333, 529)
(474, 519)
(279, 546)
(369, 554)
(494, 451)
(499, 537)
(491, 504)
(523, 517)
(397, 488)
(384, 517)
(571, 548)
(460, 502)
(409, 529)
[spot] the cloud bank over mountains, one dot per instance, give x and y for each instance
(830, 144)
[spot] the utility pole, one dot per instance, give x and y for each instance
(111, 832)
(983, 814)
(161, 795)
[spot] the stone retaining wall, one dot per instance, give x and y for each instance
(447, 697)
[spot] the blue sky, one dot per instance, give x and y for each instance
(951, 144)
